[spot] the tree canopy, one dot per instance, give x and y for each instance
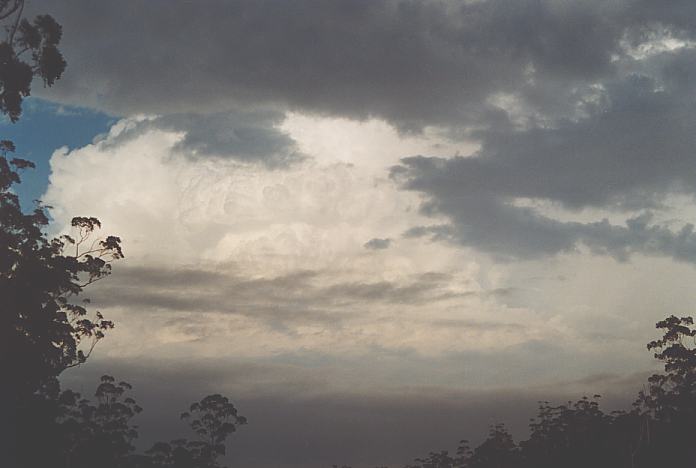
(29, 50)
(41, 279)
(47, 326)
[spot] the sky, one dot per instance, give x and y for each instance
(377, 226)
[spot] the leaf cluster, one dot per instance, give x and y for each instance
(44, 324)
(29, 50)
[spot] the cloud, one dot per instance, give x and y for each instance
(580, 105)
(630, 153)
(320, 310)
(377, 244)
(412, 63)
(274, 257)
(242, 136)
(299, 296)
(255, 282)
(149, 184)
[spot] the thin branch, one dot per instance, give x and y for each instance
(12, 9)
(21, 51)
(86, 356)
(92, 281)
(16, 23)
(87, 252)
(83, 236)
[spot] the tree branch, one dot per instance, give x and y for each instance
(12, 9)
(16, 23)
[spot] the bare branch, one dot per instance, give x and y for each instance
(12, 9)
(13, 31)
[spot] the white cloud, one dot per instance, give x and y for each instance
(290, 273)
(173, 211)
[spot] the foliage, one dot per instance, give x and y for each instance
(29, 50)
(40, 280)
(668, 407)
(73, 431)
(497, 451)
(212, 419)
(101, 431)
(443, 459)
(672, 395)
(577, 434)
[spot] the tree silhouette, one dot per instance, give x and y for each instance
(497, 451)
(443, 459)
(74, 432)
(41, 324)
(101, 432)
(668, 407)
(40, 281)
(574, 435)
(212, 420)
(43, 328)
(30, 49)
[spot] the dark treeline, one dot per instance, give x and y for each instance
(47, 327)
(658, 431)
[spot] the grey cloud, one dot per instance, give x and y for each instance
(474, 325)
(629, 153)
(678, 13)
(508, 232)
(280, 302)
(377, 244)
(413, 63)
(250, 136)
(642, 141)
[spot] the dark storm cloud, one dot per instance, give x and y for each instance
(413, 63)
(636, 147)
(680, 13)
(628, 153)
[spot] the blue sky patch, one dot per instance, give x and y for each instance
(44, 127)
